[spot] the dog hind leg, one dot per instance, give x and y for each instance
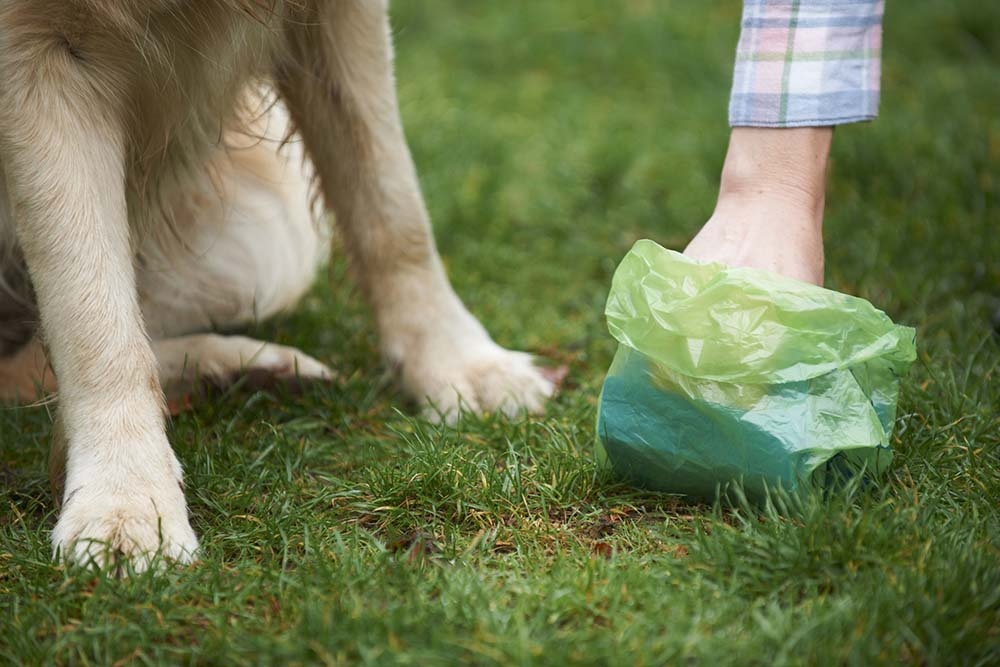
(245, 245)
(185, 362)
(241, 243)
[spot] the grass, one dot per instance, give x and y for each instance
(340, 529)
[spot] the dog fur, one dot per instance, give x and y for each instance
(158, 160)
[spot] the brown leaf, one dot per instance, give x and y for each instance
(504, 547)
(417, 544)
(602, 549)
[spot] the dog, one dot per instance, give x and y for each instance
(166, 168)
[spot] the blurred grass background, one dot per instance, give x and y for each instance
(339, 529)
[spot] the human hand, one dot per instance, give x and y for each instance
(769, 214)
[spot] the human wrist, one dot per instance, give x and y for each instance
(786, 165)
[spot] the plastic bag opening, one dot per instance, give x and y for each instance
(726, 374)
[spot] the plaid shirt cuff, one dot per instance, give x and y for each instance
(807, 63)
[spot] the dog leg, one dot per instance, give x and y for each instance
(63, 148)
(243, 243)
(339, 89)
(187, 361)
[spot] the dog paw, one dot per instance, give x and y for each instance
(191, 364)
(279, 364)
(487, 378)
(105, 523)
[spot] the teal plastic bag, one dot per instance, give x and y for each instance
(727, 374)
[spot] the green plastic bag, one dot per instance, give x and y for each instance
(727, 374)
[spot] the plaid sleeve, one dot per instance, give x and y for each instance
(807, 63)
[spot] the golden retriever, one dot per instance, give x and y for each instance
(157, 158)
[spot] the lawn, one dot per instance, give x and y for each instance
(339, 528)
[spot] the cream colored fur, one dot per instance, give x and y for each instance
(154, 202)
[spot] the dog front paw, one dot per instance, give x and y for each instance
(486, 378)
(110, 519)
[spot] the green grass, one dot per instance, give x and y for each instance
(340, 529)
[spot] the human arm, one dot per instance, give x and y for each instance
(802, 66)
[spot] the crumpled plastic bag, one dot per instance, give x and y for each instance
(734, 374)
